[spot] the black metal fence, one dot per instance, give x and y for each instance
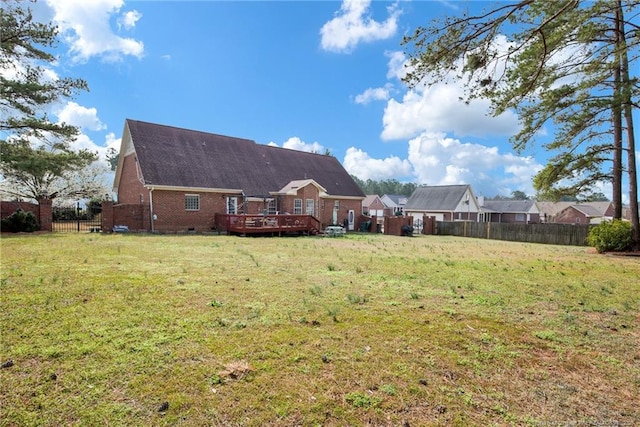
(554, 234)
(78, 218)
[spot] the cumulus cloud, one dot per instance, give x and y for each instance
(128, 19)
(295, 143)
(353, 24)
(438, 109)
(373, 94)
(77, 115)
(439, 160)
(397, 65)
(85, 26)
(358, 163)
(435, 159)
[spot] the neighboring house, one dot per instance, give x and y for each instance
(186, 177)
(445, 203)
(586, 213)
(509, 211)
(372, 206)
(574, 212)
(394, 203)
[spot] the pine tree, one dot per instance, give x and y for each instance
(564, 62)
(37, 158)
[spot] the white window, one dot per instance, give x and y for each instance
(520, 217)
(310, 207)
(192, 202)
(232, 205)
(297, 206)
(272, 207)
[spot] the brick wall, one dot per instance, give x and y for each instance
(130, 189)
(172, 217)
(8, 208)
(43, 211)
(393, 224)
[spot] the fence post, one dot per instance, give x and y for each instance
(45, 214)
(107, 216)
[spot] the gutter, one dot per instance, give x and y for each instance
(151, 214)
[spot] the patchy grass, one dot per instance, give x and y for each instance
(364, 330)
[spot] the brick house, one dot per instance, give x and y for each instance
(372, 205)
(180, 179)
(586, 213)
(575, 212)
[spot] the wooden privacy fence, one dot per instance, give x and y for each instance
(554, 234)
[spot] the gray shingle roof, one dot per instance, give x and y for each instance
(437, 198)
(177, 157)
(589, 210)
(509, 206)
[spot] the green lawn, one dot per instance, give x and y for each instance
(360, 330)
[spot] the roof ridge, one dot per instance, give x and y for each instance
(180, 128)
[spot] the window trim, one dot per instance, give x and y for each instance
(235, 205)
(189, 200)
(272, 207)
(297, 206)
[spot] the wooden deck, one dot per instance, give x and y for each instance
(274, 225)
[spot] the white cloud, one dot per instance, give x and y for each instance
(128, 19)
(295, 143)
(358, 163)
(397, 65)
(438, 160)
(373, 94)
(353, 24)
(77, 115)
(434, 159)
(85, 26)
(438, 109)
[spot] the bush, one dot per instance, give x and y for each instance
(20, 221)
(611, 236)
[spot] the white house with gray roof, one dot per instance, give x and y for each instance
(444, 202)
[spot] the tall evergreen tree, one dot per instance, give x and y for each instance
(551, 61)
(37, 159)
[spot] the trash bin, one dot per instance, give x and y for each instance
(378, 228)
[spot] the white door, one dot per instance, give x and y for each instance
(352, 219)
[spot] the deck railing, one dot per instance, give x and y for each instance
(276, 224)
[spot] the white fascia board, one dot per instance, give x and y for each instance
(329, 196)
(193, 189)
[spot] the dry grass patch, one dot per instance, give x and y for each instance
(361, 330)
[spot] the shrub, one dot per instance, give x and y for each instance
(20, 221)
(611, 236)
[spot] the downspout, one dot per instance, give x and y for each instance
(151, 214)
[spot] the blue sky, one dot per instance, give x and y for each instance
(307, 75)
